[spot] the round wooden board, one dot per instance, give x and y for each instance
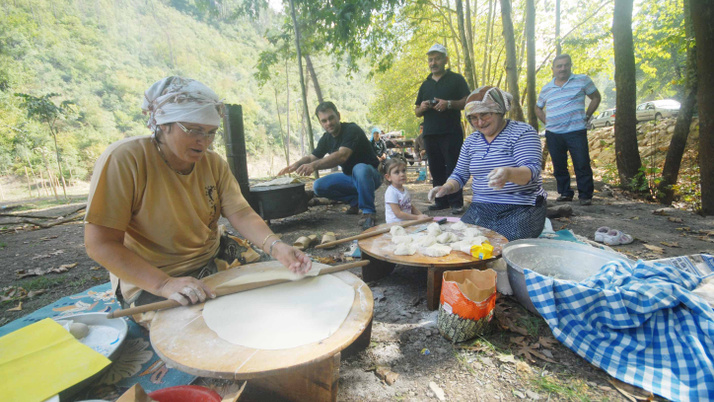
(182, 339)
(381, 248)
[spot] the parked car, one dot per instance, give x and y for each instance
(656, 110)
(606, 118)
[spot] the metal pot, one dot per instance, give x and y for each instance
(563, 260)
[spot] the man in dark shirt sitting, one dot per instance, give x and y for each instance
(346, 146)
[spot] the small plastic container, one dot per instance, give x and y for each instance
(185, 393)
(482, 252)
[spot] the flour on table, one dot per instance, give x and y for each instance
(281, 316)
(402, 239)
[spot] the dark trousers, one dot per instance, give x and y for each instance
(442, 151)
(575, 142)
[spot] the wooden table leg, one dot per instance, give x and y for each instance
(434, 277)
(316, 382)
(361, 343)
(376, 269)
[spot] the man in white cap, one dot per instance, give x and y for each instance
(440, 99)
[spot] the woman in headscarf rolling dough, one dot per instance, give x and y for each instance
(504, 158)
(154, 203)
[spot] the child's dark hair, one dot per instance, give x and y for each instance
(390, 163)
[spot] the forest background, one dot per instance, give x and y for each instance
(88, 62)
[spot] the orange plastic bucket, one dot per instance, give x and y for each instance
(185, 393)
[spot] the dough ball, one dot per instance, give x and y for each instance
(401, 239)
(472, 232)
(397, 231)
(463, 246)
(446, 237)
(433, 229)
(427, 240)
(478, 240)
(436, 250)
(78, 330)
(405, 249)
(459, 226)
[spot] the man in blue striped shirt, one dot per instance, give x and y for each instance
(566, 127)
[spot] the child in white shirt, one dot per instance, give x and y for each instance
(398, 202)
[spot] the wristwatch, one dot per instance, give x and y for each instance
(448, 104)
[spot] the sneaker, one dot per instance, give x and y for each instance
(564, 198)
(457, 210)
(435, 207)
(369, 221)
(352, 210)
(586, 201)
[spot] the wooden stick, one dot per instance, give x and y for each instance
(170, 303)
(374, 232)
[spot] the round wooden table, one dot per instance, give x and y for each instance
(379, 251)
(182, 339)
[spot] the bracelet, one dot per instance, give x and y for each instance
(270, 250)
(262, 246)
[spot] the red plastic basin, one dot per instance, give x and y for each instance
(185, 393)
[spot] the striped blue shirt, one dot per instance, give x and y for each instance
(517, 145)
(566, 105)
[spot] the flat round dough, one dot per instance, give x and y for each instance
(281, 316)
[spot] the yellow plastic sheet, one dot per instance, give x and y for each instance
(42, 359)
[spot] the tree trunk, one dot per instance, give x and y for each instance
(485, 74)
(59, 166)
(470, 40)
(670, 171)
(626, 150)
(302, 78)
(558, 49)
(29, 184)
(315, 83)
(531, 74)
(702, 14)
(511, 70)
(464, 44)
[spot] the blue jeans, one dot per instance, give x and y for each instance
(356, 189)
(575, 142)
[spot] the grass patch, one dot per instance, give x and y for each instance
(531, 323)
(3, 244)
(50, 202)
(41, 282)
(553, 386)
(462, 360)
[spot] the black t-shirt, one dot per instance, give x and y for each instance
(352, 137)
(451, 86)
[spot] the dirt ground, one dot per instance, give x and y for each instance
(520, 359)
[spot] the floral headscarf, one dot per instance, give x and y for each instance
(175, 99)
(488, 99)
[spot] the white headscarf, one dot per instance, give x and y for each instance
(175, 99)
(488, 99)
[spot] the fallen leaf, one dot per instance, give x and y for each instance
(673, 219)
(95, 268)
(635, 218)
(548, 342)
(685, 229)
(58, 252)
(325, 260)
(706, 238)
(523, 367)
(18, 308)
(37, 292)
(660, 211)
(519, 340)
(670, 244)
(24, 273)
(658, 250)
(529, 351)
(386, 375)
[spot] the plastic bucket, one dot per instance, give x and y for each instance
(185, 393)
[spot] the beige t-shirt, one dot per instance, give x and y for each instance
(169, 219)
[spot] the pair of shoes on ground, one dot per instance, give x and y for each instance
(612, 237)
(583, 201)
(454, 210)
(367, 221)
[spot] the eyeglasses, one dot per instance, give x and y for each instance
(480, 116)
(195, 133)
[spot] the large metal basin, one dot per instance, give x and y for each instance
(555, 258)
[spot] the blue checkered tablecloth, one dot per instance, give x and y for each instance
(641, 324)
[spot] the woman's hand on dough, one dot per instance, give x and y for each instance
(497, 178)
(186, 290)
(292, 258)
(435, 193)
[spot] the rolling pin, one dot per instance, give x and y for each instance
(376, 232)
(170, 303)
